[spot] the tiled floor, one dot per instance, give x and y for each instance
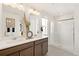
(55, 51)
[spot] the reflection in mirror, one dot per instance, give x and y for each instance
(8, 29)
(13, 29)
(10, 26)
(10, 22)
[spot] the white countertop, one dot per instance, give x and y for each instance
(10, 42)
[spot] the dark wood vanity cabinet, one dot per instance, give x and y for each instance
(14, 54)
(41, 47)
(27, 52)
(35, 48)
(38, 50)
(18, 50)
(44, 48)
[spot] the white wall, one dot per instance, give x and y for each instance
(76, 48)
(63, 33)
(12, 13)
(0, 20)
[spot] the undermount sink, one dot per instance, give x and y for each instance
(10, 40)
(30, 38)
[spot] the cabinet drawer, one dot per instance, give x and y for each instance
(45, 40)
(41, 40)
(38, 41)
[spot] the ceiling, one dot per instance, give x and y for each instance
(54, 9)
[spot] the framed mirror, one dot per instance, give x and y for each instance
(10, 23)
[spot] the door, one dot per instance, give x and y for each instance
(14, 54)
(44, 47)
(65, 33)
(27, 52)
(38, 50)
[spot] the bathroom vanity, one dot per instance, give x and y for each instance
(29, 47)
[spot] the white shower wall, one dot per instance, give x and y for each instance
(76, 48)
(65, 34)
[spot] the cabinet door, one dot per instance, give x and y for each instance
(27, 52)
(44, 48)
(38, 50)
(65, 34)
(14, 54)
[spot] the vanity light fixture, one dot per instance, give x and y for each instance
(11, 4)
(14, 5)
(36, 13)
(33, 11)
(30, 10)
(20, 7)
